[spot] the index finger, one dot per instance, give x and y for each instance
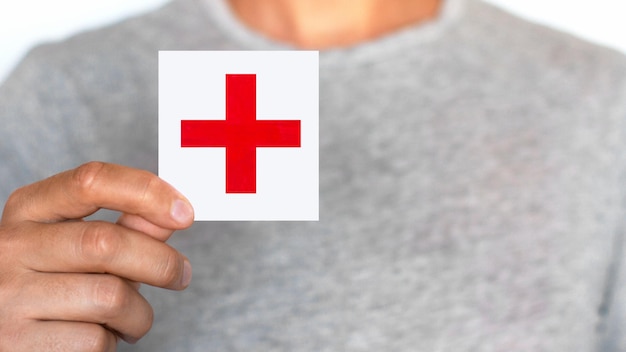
(82, 191)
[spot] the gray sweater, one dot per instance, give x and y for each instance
(471, 178)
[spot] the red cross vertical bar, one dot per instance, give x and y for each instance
(241, 133)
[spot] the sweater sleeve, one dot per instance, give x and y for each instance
(612, 326)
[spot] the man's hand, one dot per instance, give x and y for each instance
(71, 285)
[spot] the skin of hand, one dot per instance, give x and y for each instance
(67, 284)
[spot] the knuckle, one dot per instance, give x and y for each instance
(14, 198)
(14, 201)
(149, 319)
(85, 176)
(11, 249)
(8, 246)
(169, 268)
(99, 242)
(146, 322)
(97, 339)
(150, 188)
(111, 296)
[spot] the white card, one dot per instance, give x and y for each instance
(238, 132)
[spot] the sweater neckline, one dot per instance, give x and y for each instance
(381, 48)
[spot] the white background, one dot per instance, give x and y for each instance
(26, 22)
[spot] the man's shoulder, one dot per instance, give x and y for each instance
(522, 36)
(543, 57)
(130, 44)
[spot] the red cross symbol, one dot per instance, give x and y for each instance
(241, 133)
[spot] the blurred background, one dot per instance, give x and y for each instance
(25, 23)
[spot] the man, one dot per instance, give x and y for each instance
(470, 173)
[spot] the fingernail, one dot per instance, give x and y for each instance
(186, 280)
(181, 211)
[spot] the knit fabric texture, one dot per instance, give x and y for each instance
(471, 185)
